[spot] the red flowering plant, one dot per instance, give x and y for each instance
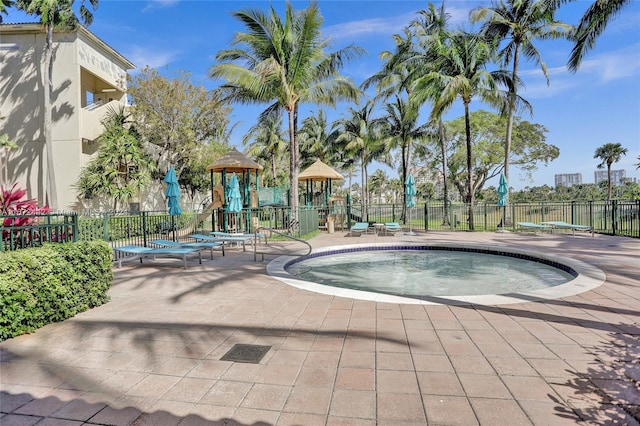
(20, 211)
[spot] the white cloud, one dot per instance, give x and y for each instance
(369, 27)
(604, 68)
(159, 4)
(142, 57)
(388, 25)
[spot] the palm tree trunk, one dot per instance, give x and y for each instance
(48, 126)
(470, 196)
(608, 181)
(363, 178)
(506, 219)
(273, 169)
(445, 191)
(293, 169)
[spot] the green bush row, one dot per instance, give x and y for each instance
(51, 283)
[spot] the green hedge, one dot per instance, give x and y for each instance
(51, 283)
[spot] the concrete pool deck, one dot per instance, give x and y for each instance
(152, 354)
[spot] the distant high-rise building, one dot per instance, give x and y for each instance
(569, 179)
(618, 177)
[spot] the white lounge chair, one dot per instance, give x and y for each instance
(535, 227)
(201, 245)
(132, 252)
(359, 228)
(392, 227)
(222, 239)
(558, 224)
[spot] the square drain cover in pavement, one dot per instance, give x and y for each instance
(246, 353)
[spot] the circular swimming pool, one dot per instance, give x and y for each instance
(436, 273)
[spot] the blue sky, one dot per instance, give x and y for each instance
(582, 111)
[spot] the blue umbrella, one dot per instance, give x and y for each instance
(173, 193)
(410, 191)
(503, 189)
(410, 196)
(234, 199)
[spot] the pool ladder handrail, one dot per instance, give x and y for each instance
(264, 228)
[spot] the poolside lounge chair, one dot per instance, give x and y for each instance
(392, 227)
(359, 228)
(132, 252)
(201, 245)
(558, 224)
(256, 235)
(535, 227)
(222, 239)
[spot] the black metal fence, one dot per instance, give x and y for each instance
(122, 228)
(22, 231)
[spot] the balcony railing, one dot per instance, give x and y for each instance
(92, 116)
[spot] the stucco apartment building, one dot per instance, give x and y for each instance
(88, 77)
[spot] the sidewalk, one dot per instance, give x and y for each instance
(152, 354)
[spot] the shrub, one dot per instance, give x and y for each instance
(51, 283)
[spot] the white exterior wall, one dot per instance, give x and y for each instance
(81, 62)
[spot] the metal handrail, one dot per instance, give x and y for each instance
(264, 228)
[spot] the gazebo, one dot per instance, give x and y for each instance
(233, 162)
(318, 172)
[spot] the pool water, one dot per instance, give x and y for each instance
(417, 273)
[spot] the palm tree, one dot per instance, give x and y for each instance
(285, 63)
(609, 153)
(461, 73)
(414, 56)
(360, 137)
(401, 127)
(638, 163)
(592, 24)
(519, 23)
(268, 142)
(317, 139)
(121, 167)
(53, 14)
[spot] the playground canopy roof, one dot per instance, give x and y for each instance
(319, 171)
(234, 161)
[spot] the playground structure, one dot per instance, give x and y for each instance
(222, 219)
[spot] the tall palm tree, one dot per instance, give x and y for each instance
(360, 136)
(461, 73)
(518, 23)
(609, 153)
(401, 127)
(54, 14)
(415, 55)
(266, 141)
(283, 63)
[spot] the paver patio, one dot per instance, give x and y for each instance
(152, 354)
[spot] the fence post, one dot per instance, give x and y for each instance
(513, 217)
(74, 227)
(614, 216)
(426, 217)
(144, 228)
(105, 227)
(452, 220)
(485, 217)
(590, 202)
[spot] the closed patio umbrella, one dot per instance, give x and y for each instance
(234, 198)
(172, 192)
(410, 196)
(503, 190)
